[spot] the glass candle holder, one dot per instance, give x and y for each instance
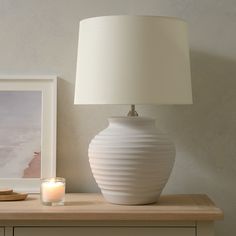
(52, 192)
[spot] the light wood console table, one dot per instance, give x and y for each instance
(89, 214)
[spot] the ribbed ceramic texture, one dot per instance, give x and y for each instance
(131, 160)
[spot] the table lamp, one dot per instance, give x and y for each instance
(132, 60)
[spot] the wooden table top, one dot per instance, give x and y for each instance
(83, 206)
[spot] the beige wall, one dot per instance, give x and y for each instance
(40, 37)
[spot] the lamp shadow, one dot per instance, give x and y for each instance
(205, 135)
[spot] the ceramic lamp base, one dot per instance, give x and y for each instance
(131, 160)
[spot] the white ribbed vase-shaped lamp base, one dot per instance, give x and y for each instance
(131, 160)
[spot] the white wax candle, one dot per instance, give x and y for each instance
(53, 191)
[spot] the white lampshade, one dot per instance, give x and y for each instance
(133, 60)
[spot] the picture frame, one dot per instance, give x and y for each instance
(23, 130)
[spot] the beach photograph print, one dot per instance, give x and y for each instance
(20, 134)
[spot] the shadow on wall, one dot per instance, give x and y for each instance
(73, 137)
(205, 136)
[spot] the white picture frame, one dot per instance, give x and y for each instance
(47, 84)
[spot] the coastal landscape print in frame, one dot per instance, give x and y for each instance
(20, 134)
(27, 131)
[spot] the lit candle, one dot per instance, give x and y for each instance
(53, 191)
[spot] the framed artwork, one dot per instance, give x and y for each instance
(27, 131)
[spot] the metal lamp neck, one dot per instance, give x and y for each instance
(132, 111)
